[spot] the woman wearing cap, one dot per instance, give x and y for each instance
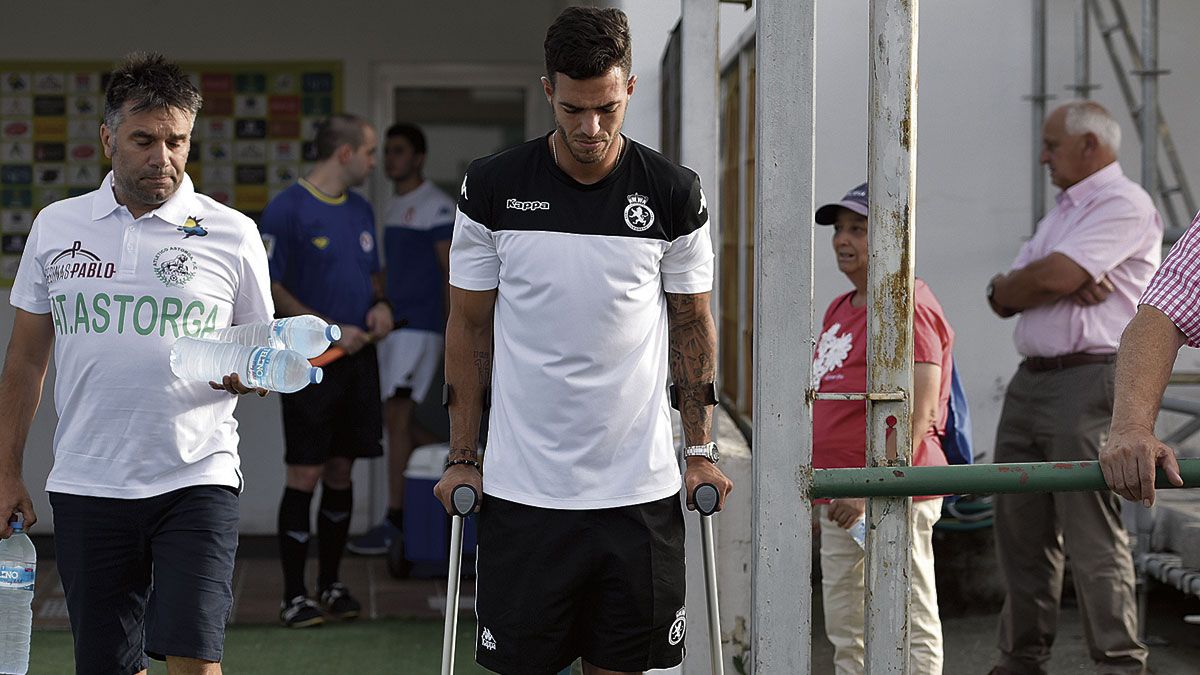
(839, 441)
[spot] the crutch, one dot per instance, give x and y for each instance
(706, 497)
(463, 500)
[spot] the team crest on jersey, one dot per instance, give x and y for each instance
(678, 627)
(321, 243)
(174, 266)
(638, 216)
(191, 228)
(366, 241)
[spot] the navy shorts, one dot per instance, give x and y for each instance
(146, 577)
(554, 585)
(340, 417)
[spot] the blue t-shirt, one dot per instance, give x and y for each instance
(413, 225)
(322, 250)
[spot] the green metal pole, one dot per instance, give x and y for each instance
(975, 479)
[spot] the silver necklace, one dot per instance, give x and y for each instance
(554, 152)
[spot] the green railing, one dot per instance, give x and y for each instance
(908, 481)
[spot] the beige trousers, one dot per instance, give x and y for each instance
(1063, 416)
(843, 584)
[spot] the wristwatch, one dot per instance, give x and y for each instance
(708, 451)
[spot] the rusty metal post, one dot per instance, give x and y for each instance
(783, 337)
(891, 147)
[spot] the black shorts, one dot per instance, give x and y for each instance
(340, 417)
(146, 577)
(554, 585)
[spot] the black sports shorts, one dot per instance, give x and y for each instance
(554, 585)
(340, 417)
(148, 576)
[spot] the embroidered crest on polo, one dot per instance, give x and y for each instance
(191, 228)
(486, 639)
(678, 627)
(638, 216)
(174, 266)
(366, 241)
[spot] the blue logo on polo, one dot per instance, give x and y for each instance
(191, 228)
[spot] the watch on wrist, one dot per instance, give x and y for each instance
(708, 451)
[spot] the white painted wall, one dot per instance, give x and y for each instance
(974, 140)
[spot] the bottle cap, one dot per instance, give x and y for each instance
(333, 332)
(315, 375)
(17, 522)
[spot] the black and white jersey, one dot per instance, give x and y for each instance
(579, 414)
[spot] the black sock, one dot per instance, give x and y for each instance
(396, 518)
(294, 532)
(333, 528)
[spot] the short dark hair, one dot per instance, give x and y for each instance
(586, 42)
(411, 132)
(338, 130)
(148, 81)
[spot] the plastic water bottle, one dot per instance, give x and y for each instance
(18, 566)
(858, 532)
(306, 334)
(275, 369)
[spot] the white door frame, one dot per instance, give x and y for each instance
(386, 77)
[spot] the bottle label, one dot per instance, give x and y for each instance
(277, 327)
(256, 370)
(17, 576)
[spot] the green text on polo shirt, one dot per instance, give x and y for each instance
(121, 313)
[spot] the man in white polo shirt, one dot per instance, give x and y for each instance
(146, 472)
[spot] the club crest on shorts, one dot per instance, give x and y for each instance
(638, 216)
(678, 627)
(486, 639)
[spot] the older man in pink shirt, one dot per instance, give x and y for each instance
(1075, 285)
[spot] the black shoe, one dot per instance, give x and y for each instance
(300, 612)
(338, 603)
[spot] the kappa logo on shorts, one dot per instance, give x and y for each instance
(678, 627)
(486, 639)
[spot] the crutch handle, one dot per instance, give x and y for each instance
(463, 499)
(706, 498)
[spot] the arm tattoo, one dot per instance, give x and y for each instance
(693, 344)
(483, 367)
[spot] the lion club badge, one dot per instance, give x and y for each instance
(638, 216)
(678, 628)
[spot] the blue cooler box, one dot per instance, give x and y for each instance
(426, 523)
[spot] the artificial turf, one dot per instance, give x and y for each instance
(384, 646)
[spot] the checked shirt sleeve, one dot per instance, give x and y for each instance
(1175, 289)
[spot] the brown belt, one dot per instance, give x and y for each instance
(1043, 363)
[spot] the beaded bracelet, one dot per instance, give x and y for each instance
(473, 462)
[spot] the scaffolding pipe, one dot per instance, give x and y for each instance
(1083, 76)
(1038, 99)
(1078, 476)
(891, 175)
(783, 337)
(1149, 117)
